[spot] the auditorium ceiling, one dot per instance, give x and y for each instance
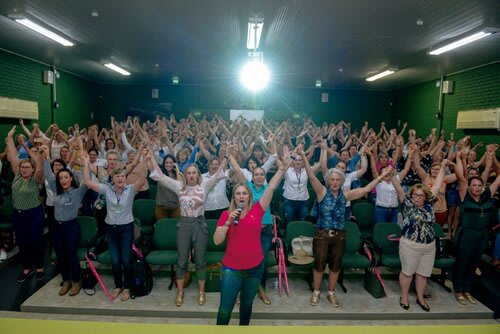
(203, 42)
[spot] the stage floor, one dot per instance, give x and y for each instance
(357, 306)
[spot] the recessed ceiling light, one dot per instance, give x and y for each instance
(380, 75)
(117, 69)
(95, 13)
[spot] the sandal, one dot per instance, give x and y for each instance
(265, 299)
(125, 295)
(115, 293)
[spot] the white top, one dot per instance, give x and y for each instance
(266, 167)
(191, 198)
(55, 149)
(386, 195)
(217, 197)
(295, 186)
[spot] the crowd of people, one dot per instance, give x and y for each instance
(214, 168)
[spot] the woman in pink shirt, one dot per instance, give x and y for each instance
(243, 263)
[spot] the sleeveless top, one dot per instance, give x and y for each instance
(332, 211)
(476, 215)
(25, 193)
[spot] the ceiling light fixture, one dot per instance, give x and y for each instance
(41, 30)
(380, 75)
(255, 26)
(318, 83)
(463, 41)
(116, 69)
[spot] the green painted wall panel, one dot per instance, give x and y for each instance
(477, 88)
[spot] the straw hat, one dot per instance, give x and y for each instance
(300, 257)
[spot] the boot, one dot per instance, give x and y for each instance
(65, 288)
(75, 289)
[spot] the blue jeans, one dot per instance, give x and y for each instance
(28, 226)
(244, 282)
(66, 239)
(266, 240)
(386, 215)
(294, 210)
(120, 238)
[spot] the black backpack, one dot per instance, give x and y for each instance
(142, 275)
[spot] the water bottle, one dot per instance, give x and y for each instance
(275, 285)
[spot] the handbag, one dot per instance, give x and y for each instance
(214, 278)
(89, 281)
(373, 282)
(305, 243)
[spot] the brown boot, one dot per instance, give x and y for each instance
(65, 288)
(75, 289)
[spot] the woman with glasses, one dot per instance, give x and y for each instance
(417, 248)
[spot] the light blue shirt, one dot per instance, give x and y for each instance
(118, 206)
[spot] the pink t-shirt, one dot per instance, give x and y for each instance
(243, 249)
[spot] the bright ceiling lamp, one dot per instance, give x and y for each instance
(255, 75)
(380, 75)
(255, 26)
(116, 69)
(41, 30)
(460, 42)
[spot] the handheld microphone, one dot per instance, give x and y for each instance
(240, 208)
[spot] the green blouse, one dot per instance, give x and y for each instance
(25, 193)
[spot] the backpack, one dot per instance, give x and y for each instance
(142, 275)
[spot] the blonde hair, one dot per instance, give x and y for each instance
(424, 188)
(233, 206)
(200, 179)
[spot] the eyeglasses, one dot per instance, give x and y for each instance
(418, 195)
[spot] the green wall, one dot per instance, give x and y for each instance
(21, 78)
(278, 102)
(477, 88)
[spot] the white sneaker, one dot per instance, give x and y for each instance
(3, 255)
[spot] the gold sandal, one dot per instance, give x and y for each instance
(179, 298)
(202, 298)
(471, 299)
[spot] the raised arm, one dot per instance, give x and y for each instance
(399, 190)
(351, 195)
(318, 188)
(86, 175)
(438, 182)
(459, 172)
(238, 173)
(266, 198)
(11, 151)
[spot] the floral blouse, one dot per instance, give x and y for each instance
(418, 223)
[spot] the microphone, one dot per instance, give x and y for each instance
(240, 208)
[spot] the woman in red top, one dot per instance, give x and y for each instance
(243, 263)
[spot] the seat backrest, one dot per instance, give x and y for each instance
(88, 230)
(164, 236)
(438, 231)
(353, 238)
(211, 246)
(153, 188)
(144, 209)
(7, 208)
(364, 213)
(298, 228)
(380, 233)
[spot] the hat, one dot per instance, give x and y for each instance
(300, 257)
(38, 141)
